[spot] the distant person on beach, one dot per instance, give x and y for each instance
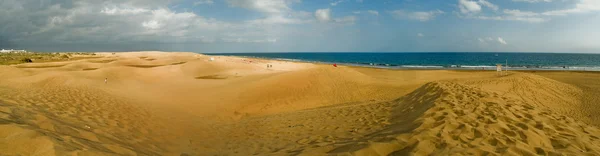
(105, 80)
(334, 65)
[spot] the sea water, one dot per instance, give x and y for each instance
(443, 60)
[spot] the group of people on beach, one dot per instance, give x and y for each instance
(247, 61)
(269, 66)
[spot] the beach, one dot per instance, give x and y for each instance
(178, 103)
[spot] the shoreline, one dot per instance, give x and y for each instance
(424, 67)
(398, 67)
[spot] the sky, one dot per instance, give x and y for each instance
(218, 26)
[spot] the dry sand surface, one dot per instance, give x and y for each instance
(157, 103)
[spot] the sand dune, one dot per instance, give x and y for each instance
(159, 103)
(590, 86)
(456, 118)
(536, 90)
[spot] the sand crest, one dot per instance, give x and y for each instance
(470, 121)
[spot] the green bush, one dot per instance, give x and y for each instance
(26, 60)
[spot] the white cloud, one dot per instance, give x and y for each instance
(511, 15)
(510, 18)
(488, 4)
(473, 7)
(276, 11)
(420, 34)
(265, 6)
(347, 19)
(532, 1)
(467, 6)
(277, 19)
(419, 15)
(123, 11)
(582, 6)
(372, 12)
(200, 2)
(323, 15)
(169, 23)
(376, 13)
(129, 22)
(300, 14)
(520, 13)
(336, 2)
(501, 41)
(485, 40)
(152, 24)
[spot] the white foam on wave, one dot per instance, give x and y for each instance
(413, 66)
(478, 66)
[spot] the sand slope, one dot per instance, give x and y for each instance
(183, 104)
(467, 120)
(589, 83)
(77, 120)
(536, 90)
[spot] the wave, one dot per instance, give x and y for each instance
(475, 66)
(415, 66)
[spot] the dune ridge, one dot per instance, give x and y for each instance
(467, 120)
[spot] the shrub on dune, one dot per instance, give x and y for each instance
(26, 60)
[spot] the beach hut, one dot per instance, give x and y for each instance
(498, 69)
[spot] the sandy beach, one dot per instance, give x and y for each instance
(176, 103)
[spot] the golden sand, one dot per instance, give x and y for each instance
(157, 103)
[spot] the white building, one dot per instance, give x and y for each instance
(12, 51)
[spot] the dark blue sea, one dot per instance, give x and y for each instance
(441, 60)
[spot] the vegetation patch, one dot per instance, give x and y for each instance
(102, 61)
(213, 77)
(34, 57)
(42, 66)
(89, 69)
(26, 60)
(178, 63)
(144, 66)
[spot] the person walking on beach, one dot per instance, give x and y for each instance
(105, 80)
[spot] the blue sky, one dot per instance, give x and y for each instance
(302, 25)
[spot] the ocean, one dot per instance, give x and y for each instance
(443, 60)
